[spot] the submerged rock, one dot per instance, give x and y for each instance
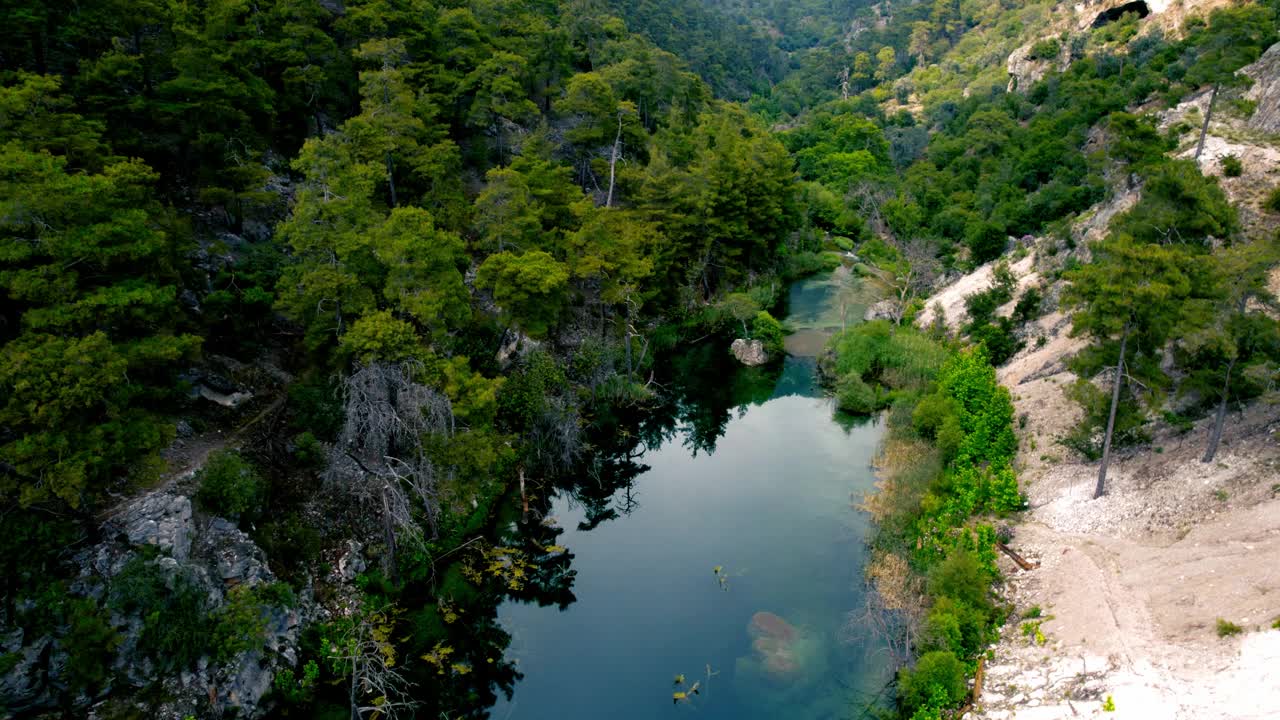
(749, 352)
(774, 642)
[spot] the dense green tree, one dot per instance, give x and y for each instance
(1229, 344)
(88, 315)
(1132, 293)
(530, 287)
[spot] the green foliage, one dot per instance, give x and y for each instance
(1272, 202)
(1047, 49)
(855, 396)
(295, 690)
(894, 358)
(290, 543)
(176, 624)
(1226, 628)
(230, 486)
(1109, 705)
(530, 288)
(938, 680)
(90, 642)
(769, 331)
(1231, 166)
(240, 624)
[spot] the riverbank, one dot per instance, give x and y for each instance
(1131, 586)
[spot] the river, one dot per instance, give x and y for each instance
(735, 561)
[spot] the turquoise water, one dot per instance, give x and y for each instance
(771, 506)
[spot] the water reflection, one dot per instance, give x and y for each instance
(711, 537)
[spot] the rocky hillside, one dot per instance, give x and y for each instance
(1157, 599)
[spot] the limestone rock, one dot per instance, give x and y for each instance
(749, 352)
(159, 519)
(515, 345)
(882, 310)
(1265, 91)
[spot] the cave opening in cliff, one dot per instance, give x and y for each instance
(1115, 13)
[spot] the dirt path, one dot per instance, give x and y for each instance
(1131, 585)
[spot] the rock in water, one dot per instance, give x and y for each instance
(749, 352)
(774, 641)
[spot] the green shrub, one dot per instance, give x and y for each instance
(241, 623)
(1028, 307)
(230, 486)
(174, 612)
(90, 642)
(1046, 49)
(1226, 628)
(842, 242)
(937, 680)
(855, 396)
(960, 576)
(290, 544)
(1231, 166)
(1272, 202)
(999, 338)
(1086, 437)
(769, 331)
(308, 452)
(294, 690)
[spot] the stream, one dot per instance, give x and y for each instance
(734, 559)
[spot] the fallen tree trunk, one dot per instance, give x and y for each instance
(1016, 557)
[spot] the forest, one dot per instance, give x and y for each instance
(453, 246)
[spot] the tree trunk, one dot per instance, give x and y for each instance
(1111, 419)
(1221, 420)
(613, 162)
(391, 179)
(1208, 114)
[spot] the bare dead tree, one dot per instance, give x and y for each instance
(869, 197)
(376, 687)
(555, 437)
(904, 285)
(380, 456)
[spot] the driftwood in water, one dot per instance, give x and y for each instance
(1016, 557)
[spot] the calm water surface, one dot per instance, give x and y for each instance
(771, 507)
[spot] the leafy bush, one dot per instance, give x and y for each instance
(90, 642)
(769, 331)
(1046, 49)
(175, 618)
(290, 544)
(855, 396)
(938, 680)
(1000, 339)
(1231, 166)
(1272, 202)
(241, 623)
(1028, 307)
(308, 452)
(960, 577)
(230, 486)
(1226, 628)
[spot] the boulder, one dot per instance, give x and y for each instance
(883, 310)
(159, 519)
(749, 352)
